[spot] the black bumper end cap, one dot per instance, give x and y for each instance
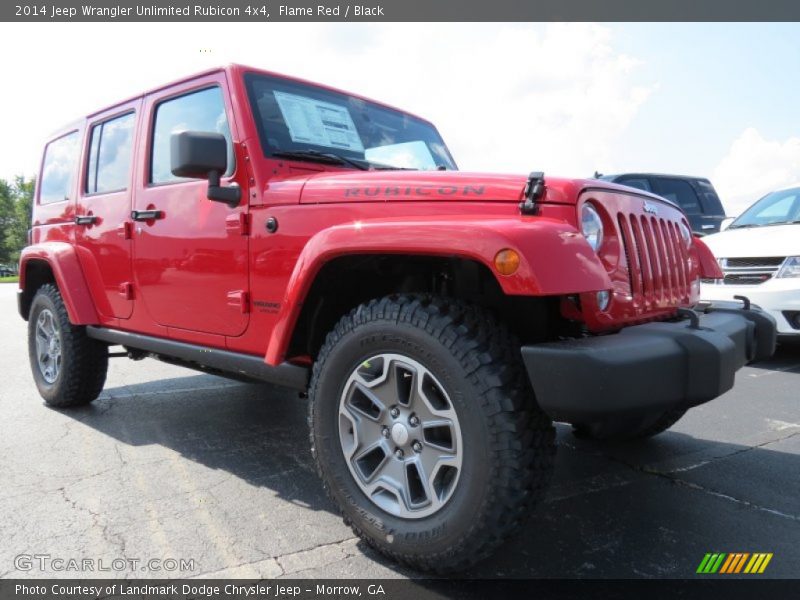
(646, 368)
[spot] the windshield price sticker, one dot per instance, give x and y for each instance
(320, 123)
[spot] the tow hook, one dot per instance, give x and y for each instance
(693, 317)
(745, 300)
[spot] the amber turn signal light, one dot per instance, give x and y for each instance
(506, 262)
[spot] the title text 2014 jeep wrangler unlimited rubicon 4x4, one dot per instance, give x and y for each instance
(271, 229)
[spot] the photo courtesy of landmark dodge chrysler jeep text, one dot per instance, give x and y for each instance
(266, 228)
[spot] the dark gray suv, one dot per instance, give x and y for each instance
(695, 195)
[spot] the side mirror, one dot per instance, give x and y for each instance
(203, 155)
(726, 222)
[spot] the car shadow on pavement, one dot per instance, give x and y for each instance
(256, 432)
(642, 509)
(653, 508)
(786, 358)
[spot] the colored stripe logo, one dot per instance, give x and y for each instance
(734, 562)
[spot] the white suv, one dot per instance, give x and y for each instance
(759, 253)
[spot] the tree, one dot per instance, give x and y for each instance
(18, 233)
(15, 217)
(8, 214)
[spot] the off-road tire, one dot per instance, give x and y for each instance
(626, 431)
(84, 360)
(509, 443)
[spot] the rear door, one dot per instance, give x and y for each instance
(191, 256)
(103, 234)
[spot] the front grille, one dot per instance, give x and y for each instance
(766, 261)
(750, 271)
(658, 263)
(745, 278)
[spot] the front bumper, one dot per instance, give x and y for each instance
(648, 368)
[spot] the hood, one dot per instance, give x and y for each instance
(773, 240)
(428, 186)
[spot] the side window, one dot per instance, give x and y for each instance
(110, 155)
(708, 198)
(198, 111)
(636, 182)
(58, 169)
(680, 192)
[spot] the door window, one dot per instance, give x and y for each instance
(198, 111)
(58, 169)
(110, 155)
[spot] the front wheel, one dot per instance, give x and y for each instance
(68, 367)
(425, 430)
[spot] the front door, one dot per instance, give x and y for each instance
(190, 253)
(103, 234)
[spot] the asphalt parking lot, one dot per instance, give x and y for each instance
(169, 463)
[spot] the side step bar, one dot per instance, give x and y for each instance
(242, 365)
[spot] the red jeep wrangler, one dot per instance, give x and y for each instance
(266, 228)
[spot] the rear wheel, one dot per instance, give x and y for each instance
(425, 430)
(68, 367)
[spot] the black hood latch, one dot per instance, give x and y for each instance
(534, 190)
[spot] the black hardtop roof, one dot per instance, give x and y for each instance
(649, 174)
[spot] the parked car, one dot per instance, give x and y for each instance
(695, 195)
(759, 254)
(7, 271)
(260, 226)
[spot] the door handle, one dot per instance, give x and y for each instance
(85, 219)
(146, 215)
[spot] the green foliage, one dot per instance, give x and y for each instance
(15, 217)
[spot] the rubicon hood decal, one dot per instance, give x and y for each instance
(415, 190)
(436, 186)
(383, 186)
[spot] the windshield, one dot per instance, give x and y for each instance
(305, 122)
(773, 209)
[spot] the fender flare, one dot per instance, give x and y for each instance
(709, 267)
(62, 260)
(555, 258)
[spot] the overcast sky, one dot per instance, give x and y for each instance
(717, 100)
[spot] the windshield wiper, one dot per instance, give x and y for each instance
(778, 223)
(764, 224)
(323, 157)
(332, 158)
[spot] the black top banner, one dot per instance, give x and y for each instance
(402, 10)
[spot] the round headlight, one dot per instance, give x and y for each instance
(591, 226)
(685, 233)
